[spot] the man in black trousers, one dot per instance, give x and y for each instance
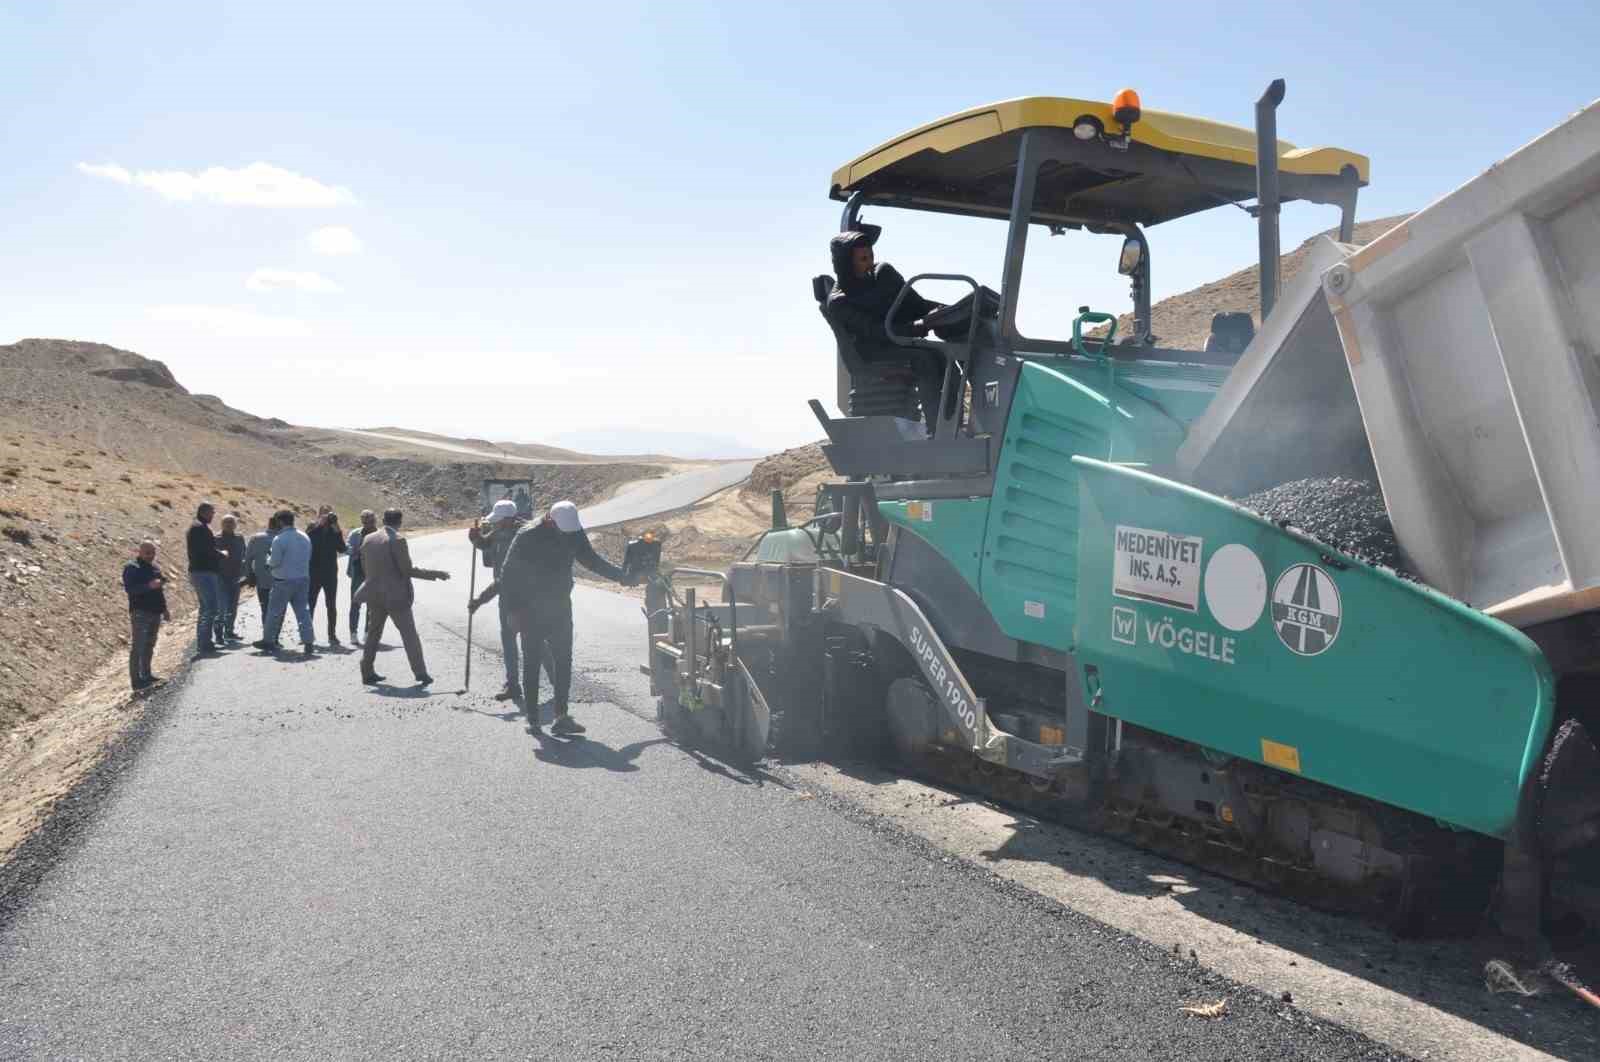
(327, 542)
(536, 581)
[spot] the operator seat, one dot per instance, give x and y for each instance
(882, 387)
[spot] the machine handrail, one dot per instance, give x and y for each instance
(727, 588)
(924, 344)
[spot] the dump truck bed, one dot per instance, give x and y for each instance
(1469, 333)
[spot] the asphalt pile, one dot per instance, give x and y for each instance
(1346, 514)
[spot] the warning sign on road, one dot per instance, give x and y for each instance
(1305, 609)
(1157, 566)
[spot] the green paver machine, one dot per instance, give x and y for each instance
(1047, 595)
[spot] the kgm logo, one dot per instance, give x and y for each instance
(1124, 626)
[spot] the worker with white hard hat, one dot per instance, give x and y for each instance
(493, 535)
(534, 585)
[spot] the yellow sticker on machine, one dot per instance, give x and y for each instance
(1283, 757)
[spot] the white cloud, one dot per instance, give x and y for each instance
(335, 239)
(258, 184)
(229, 322)
(288, 280)
(110, 171)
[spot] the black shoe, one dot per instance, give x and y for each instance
(371, 680)
(424, 679)
(206, 651)
(333, 640)
(142, 685)
(309, 650)
(510, 693)
(233, 636)
(565, 724)
(264, 644)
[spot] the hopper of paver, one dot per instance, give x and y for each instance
(1454, 356)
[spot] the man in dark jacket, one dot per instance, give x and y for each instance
(493, 536)
(864, 290)
(147, 607)
(536, 584)
(205, 567)
(327, 542)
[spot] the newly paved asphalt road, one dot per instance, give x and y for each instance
(653, 497)
(294, 866)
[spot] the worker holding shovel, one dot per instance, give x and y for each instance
(493, 536)
(535, 588)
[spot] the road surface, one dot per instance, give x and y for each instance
(653, 497)
(289, 865)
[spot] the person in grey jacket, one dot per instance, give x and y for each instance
(357, 574)
(229, 568)
(257, 573)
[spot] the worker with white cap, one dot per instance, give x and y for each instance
(493, 536)
(535, 588)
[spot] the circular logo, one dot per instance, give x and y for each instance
(1236, 586)
(1305, 609)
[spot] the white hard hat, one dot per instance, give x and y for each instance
(504, 509)
(565, 514)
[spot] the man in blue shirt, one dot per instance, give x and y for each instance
(147, 607)
(290, 561)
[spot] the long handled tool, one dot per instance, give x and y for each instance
(472, 594)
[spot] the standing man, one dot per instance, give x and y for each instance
(494, 538)
(327, 542)
(228, 571)
(536, 578)
(369, 524)
(257, 553)
(147, 607)
(386, 564)
(205, 565)
(290, 561)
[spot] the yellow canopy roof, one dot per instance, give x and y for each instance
(970, 159)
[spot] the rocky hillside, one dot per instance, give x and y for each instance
(1184, 321)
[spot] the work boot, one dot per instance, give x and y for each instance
(424, 679)
(270, 646)
(565, 724)
(371, 678)
(511, 692)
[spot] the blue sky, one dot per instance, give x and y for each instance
(574, 217)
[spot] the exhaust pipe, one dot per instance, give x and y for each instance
(1267, 192)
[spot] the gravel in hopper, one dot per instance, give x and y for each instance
(1346, 514)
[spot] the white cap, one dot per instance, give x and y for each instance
(504, 509)
(565, 514)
